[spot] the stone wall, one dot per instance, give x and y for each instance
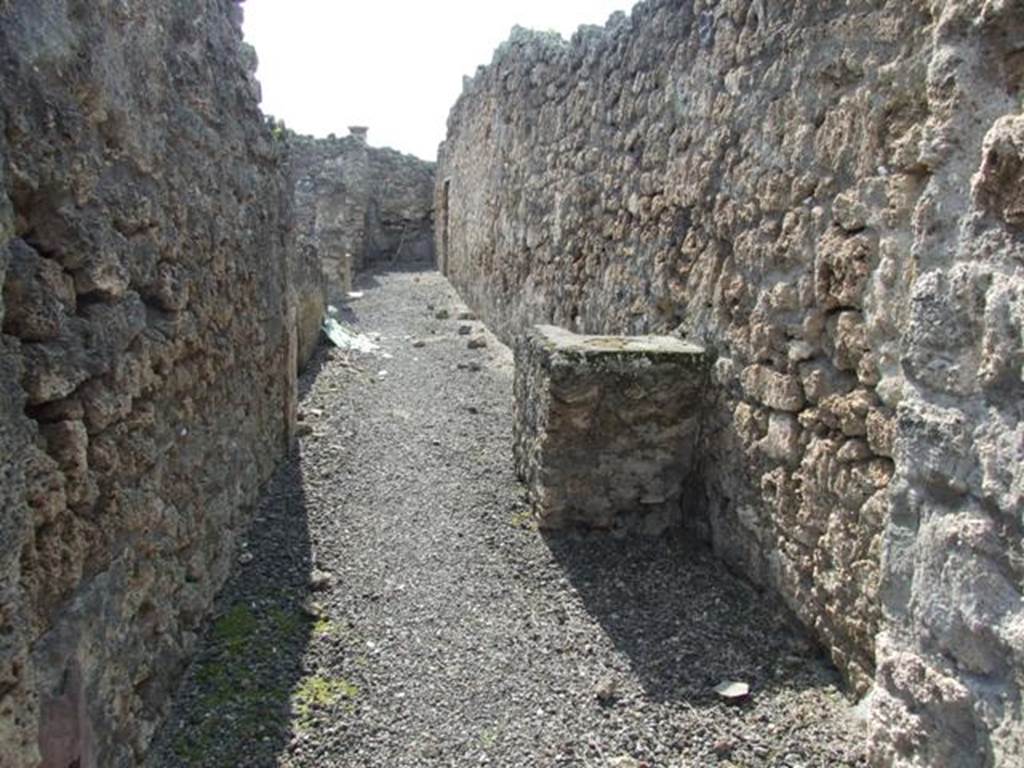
(313, 195)
(144, 241)
(376, 204)
(790, 185)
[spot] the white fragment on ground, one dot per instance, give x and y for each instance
(732, 690)
(344, 337)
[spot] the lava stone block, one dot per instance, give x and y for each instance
(606, 427)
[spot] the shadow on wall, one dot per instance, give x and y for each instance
(241, 700)
(397, 241)
(683, 620)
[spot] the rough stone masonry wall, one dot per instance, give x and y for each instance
(376, 204)
(144, 236)
(827, 196)
(312, 263)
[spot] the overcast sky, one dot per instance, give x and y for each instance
(393, 65)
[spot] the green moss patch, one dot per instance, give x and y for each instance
(243, 684)
(317, 692)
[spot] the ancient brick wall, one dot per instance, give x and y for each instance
(790, 185)
(376, 204)
(144, 257)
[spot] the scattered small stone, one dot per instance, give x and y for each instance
(625, 761)
(419, 343)
(467, 315)
(245, 558)
(733, 691)
(312, 608)
(303, 430)
(478, 342)
(321, 581)
(723, 747)
(472, 409)
(606, 690)
(465, 330)
(442, 314)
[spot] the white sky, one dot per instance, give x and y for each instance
(393, 65)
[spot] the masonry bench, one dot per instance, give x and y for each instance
(606, 427)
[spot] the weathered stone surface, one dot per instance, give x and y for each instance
(146, 356)
(827, 197)
(605, 427)
(375, 204)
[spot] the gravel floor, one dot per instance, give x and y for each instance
(393, 605)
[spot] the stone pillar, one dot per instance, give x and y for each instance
(358, 189)
(606, 427)
(346, 275)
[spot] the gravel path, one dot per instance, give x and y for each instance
(394, 606)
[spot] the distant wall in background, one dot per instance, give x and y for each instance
(376, 204)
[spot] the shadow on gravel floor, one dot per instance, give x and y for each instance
(315, 364)
(238, 705)
(246, 692)
(684, 621)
